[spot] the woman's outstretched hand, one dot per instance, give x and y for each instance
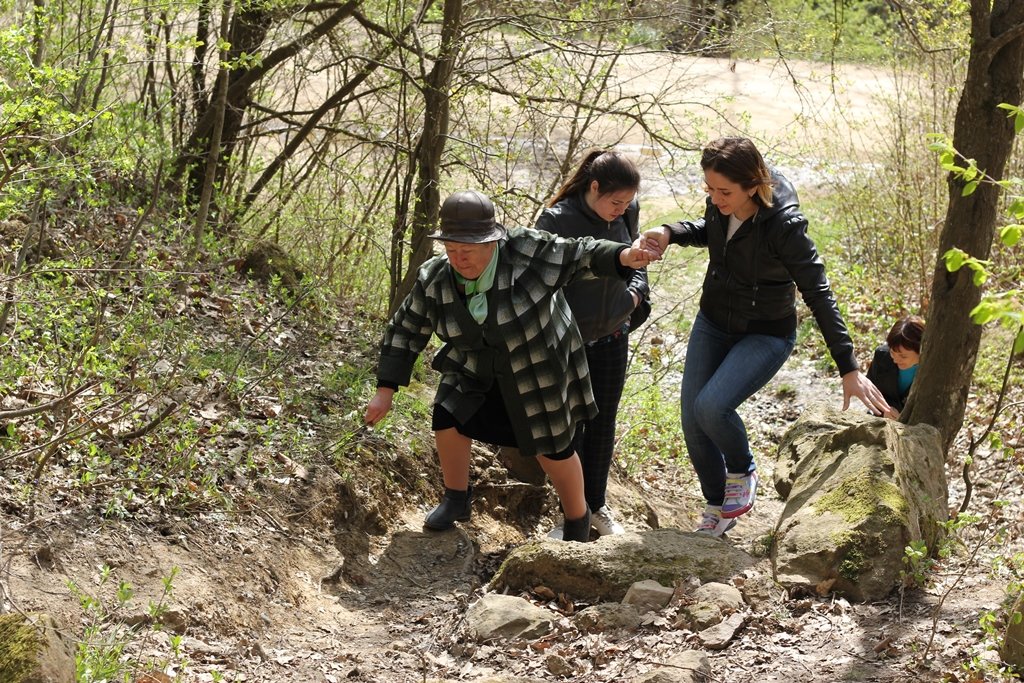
(655, 240)
(856, 383)
(379, 406)
(638, 256)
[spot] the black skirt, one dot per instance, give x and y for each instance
(489, 423)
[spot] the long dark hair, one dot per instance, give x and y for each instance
(739, 161)
(612, 171)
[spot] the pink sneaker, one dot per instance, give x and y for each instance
(712, 523)
(740, 490)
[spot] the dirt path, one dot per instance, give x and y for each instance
(263, 601)
(772, 100)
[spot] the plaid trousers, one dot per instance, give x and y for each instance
(594, 440)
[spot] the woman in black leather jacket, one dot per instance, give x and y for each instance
(760, 255)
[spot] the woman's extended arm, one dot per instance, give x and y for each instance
(405, 337)
(856, 383)
(379, 406)
(638, 256)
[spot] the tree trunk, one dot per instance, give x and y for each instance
(199, 90)
(213, 151)
(38, 32)
(247, 35)
(995, 75)
(429, 149)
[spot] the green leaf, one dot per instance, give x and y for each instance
(987, 311)
(1018, 343)
(979, 277)
(1011, 234)
(969, 188)
(954, 259)
(1017, 208)
(1016, 113)
(939, 142)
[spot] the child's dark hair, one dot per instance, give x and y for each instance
(906, 334)
(612, 171)
(739, 161)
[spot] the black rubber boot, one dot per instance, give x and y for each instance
(456, 506)
(577, 529)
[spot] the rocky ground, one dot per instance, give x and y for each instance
(288, 591)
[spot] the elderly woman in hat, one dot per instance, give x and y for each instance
(513, 367)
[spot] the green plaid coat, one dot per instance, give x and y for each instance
(529, 342)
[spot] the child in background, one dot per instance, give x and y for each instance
(895, 363)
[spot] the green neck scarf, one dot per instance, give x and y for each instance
(476, 290)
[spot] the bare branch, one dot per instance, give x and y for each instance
(44, 407)
(1002, 40)
(912, 30)
(168, 410)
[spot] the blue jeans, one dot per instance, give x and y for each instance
(723, 370)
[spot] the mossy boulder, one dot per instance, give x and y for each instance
(31, 651)
(264, 260)
(858, 490)
(604, 570)
(1011, 650)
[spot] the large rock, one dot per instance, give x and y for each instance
(698, 616)
(32, 651)
(719, 636)
(648, 596)
(608, 616)
(858, 490)
(604, 570)
(725, 596)
(689, 666)
(507, 616)
(762, 593)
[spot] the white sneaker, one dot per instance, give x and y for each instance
(712, 523)
(604, 522)
(557, 532)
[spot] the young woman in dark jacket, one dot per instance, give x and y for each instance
(599, 200)
(760, 256)
(894, 365)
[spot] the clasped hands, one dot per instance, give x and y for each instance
(646, 249)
